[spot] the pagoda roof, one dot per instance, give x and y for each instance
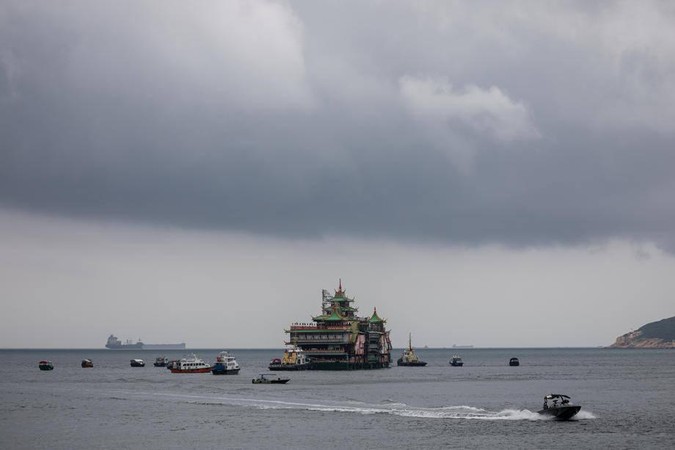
(375, 318)
(335, 317)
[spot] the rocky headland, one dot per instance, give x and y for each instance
(660, 334)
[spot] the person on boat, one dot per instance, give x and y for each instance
(545, 403)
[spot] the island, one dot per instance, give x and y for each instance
(660, 334)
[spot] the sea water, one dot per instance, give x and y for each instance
(627, 398)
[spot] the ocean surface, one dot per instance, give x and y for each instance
(627, 398)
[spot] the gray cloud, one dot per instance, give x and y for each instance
(554, 124)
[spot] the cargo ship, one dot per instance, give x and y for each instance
(115, 344)
(338, 339)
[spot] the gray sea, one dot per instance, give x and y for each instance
(627, 398)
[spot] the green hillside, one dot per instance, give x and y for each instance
(663, 329)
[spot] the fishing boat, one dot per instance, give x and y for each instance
(410, 358)
(514, 362)
(46, 365)
(161, 361)
(225, 364)
(191, 364)
(268, 378)
(559, 411)
(294, 359)
(137, 363)
(456, 361)
(87, 363)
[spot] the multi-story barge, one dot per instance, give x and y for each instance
(338, 339)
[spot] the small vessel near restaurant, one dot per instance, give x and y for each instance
(46, 365)
(87, 363)
(410, 358)
(161, 361)
(191, 364)
(559, 411)
(225, 364)
(514, 362)
(137, 363)
(456, 361)
(294, 359)
(268, 378)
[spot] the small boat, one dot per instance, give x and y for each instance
(562, 411)
(137, 363)
(172, 364)
(46, 365)
(514, 362)
(87, 363)
(225, 364)
(191, 364)
(456, 361)
(294, 359)
(161, 361)
(268, 378)
(410, 358)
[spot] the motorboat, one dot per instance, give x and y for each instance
(514, 362)
(225, 364)
(456, 361)
(268, 378)
(46, 365)
(191, 364)
(559, 408)
(161, 361)
(294, 359)
(409, 357)
(137, 363)
(87, 363)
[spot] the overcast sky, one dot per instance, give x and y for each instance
(487, 173)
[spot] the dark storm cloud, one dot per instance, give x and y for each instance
(473, 123)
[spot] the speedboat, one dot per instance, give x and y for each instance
(294, 359)
(225, 365)
(456, 361)
(46, 365)
(409, 357)
(514, 362)
(137, 363)
(268, 378)
(191, 364)
(87, 363)
(559, 411)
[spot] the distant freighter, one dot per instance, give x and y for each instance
(116, 344)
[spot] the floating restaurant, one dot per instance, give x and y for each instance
(338, 339)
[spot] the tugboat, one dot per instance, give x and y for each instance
(514, 362)
(191, 364)
(225, 365)
(160, 361)
(87, 363)
(46, 365)
(137, 363)
(456, 361)
(267, 379)
(339, 339)
(294, 359)
(562, 411)
(409, 358)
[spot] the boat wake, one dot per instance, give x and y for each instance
(462, 412)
